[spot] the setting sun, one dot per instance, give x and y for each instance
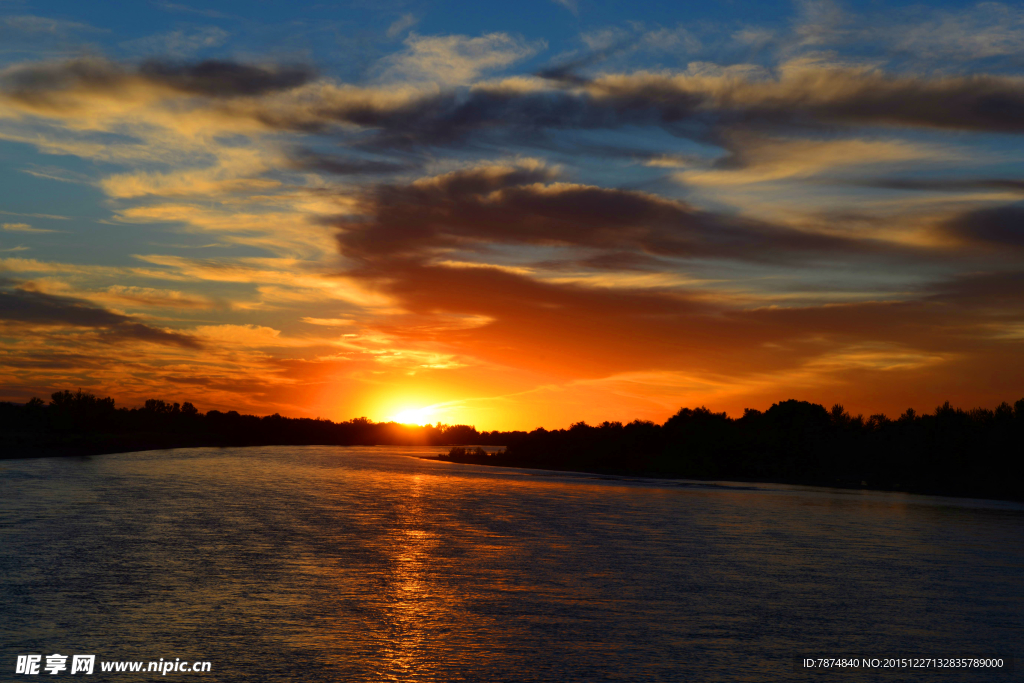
(413, 416)
(420, 408)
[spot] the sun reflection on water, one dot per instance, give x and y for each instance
(328, 564)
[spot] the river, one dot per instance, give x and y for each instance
(366, 564)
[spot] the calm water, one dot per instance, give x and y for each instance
(353, 564)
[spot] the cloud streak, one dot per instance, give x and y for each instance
(523, 205)
(37, 308)
(48, 85)
(705, 107)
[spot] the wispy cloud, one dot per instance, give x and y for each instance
(36, 215)
(37, 36)
(179, 43)
(450, 60)
(571, 5)
(755, 159)
(946, 38)
(37, 308)
(187, 9)
(401, 25)
(32, 24)
(22, 227)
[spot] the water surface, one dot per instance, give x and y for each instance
(352, 564)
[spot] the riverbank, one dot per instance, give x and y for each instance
(952, 452)
(85, 445)
(498, 460)
(135, 443)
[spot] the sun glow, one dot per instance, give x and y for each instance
(414, 416)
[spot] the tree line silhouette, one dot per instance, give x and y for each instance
(950, 451)
(80, 423)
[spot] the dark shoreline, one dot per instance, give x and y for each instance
(952, 452)
(143, 445)
(128, 444)
(818, 483)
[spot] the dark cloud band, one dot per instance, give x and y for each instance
(37, 308)
(472, 208)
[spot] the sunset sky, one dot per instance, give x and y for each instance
(512, 214)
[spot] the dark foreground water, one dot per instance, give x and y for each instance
(364, 564)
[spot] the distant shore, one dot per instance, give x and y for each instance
(132, 445)
(951, 452)
(84, 447)
(847, 485)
